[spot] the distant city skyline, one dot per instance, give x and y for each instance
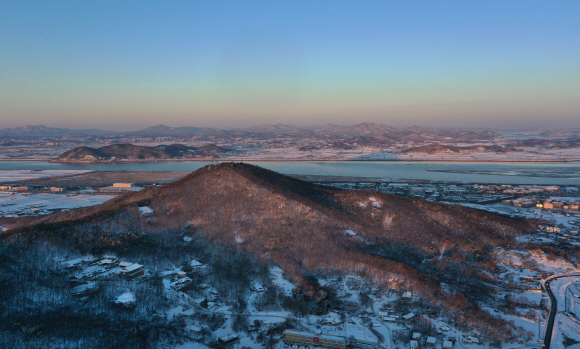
(126, 66)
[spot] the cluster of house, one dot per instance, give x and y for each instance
(15, 189)
(211, 299)
(331, 321)
(116, 188)
(395, 317)
(563, 233)
(551, 204)
(428, 191)
(473, 193)
(418, 340)
(90, 266)
(180, 280)
(25, 188)
(542, 203)
(31, 209)
(516, 189)
(391, 316)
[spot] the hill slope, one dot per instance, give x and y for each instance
(448, 149)
(135, 152)
(34, 131)
(399, 242)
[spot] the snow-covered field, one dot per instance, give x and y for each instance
(565, 325)
(528, 154)
(374, 153)
(292, 153)
(20, 204)
(20, 175)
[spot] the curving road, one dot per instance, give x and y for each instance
(553, 309)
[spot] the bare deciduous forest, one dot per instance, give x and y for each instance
(243, 218)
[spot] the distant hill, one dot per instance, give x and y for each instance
(573, 132)
(396, 242)
(376, 132)
(360, 129)
(363, 133)
(162, 130)
(135, 152)
(30, 131)
(419, 134)
(275, 129)
(324, 128)
(448, 149)
(213, 149)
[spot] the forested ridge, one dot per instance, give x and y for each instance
(395, 242)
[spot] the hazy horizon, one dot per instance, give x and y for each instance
(497, 65)
(305, 126)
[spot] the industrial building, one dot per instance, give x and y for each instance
(119, 188)
(326, 341)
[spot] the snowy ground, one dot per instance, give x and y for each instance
(527, 154)
(20, 175)
(537, 264)
(347, 288)
(566, 220)
(564, 325)
(374, 153)
(292, 153)
(23, 204)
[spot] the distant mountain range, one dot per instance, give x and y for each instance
(448, 149)
(162, 130)
(30, 131)
(135, 152)
(377, 132)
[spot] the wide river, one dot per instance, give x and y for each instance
(473, 172)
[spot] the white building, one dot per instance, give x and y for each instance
(258, 287)
(195, 264)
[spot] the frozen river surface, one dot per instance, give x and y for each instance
(561, 173)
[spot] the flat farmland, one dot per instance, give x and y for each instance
(105, 178)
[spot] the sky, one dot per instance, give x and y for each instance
(125, 65)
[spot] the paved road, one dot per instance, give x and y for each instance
(553, 309)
